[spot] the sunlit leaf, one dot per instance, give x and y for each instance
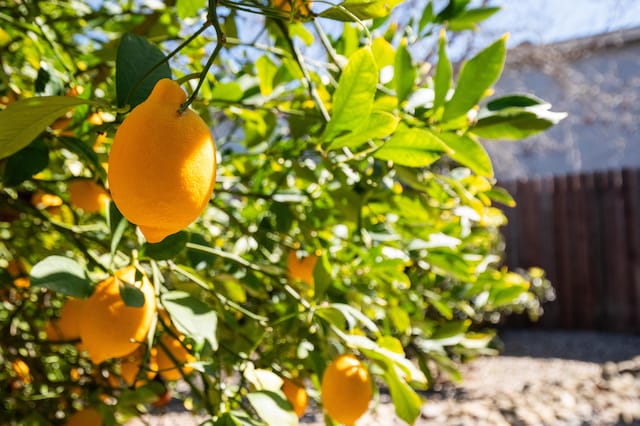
(476, 76)
(266, 70)
(379, 124)
(442, 76)
(469, 153)
(189, 8)
(63, 275)
(361, 9)
(412, 148)
(404, 72)
(353, 99)
(273, 408)
(22, 121)
(470, 18)
(192, 316)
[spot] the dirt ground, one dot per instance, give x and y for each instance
(541, 378)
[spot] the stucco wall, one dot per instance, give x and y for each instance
(597, 81)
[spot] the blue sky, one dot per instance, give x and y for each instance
(546, 21)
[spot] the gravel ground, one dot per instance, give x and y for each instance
(541, 378)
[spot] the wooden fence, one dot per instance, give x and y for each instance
(584, 231)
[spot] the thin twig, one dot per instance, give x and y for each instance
(212, 19)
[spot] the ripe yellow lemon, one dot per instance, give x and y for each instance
(87, 195)
(67, 327)
(346, 389)
(162, 164)
(111, 329)
(131, 364)
(301, 269)
(86, 417)
(296, 395)
(167, 368)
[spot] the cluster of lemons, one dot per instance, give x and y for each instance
(166, 158)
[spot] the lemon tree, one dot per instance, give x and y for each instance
(271, 201)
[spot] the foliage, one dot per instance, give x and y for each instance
(337, 145)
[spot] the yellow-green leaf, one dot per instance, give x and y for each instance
(476, 76)
(412, 148)
(380, 124)
(353, 99)
(22, 121)
(468, 152)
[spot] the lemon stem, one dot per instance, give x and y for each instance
(221, 39)
(307, 81)
(171, 54)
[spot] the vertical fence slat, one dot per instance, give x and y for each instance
(630, 189)
(563, 256)
(584, 231)
(580, 284)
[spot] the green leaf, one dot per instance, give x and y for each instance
(513, 125)
(412, 148)
(517, 100)
(230, 91)
(469, 19)
(25, 119)
(353, 98)
(168, 248)
(383, 52)
(273, 408)
(262, 379)
(134, 59)
(427, 17)
(442, 78)
(349, 313)
(25, 163)
(406, 401)
(191, 316)
(476, 76)
(400, 319)
(373, 351)
(321, 277)
(469, 153)
(507, 295)
(362, 9)
(266, 71)
(117, 225)
(451, 329)
(501, 196)
(63, 275)
(404, 74)
(451, 264)
(189, 8)
(453, 9)
(131, 295)
(379, 124)
(299, 30)
(198, 258)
